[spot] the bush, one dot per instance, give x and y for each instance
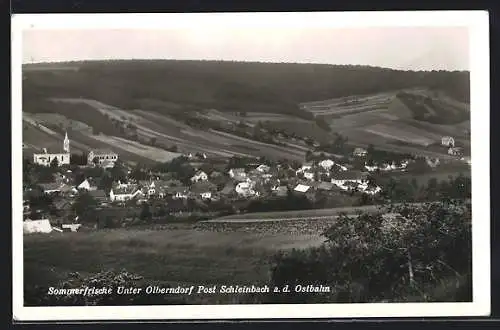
(415, 257)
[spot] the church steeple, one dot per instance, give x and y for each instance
(66, 143)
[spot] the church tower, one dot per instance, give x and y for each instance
(66, 143)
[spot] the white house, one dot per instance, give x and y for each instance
(124, 193)
(154, 188)
(309, 176)
(448, 141)
(85, 185)
(360, 152)
(46, 158)
(432, 162)
(102, 157)
(37, 226)
(348, 179)
(178, 192)
(326, 164)
(199, 176)
(73, 227)
(371, 168)
(245, 189)
(263, 168)
(238, 174)
(305, 168)
(455, 151)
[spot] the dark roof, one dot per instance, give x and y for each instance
(98, 194)
(201, 187)
(130, 189)
(103, 152)
(61, 204)
(176, 205)
(349, 175)
(325, 186)
(228, 189)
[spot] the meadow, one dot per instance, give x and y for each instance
(178, 255)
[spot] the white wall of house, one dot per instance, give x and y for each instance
(45, 159)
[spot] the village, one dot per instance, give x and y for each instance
(99, 188)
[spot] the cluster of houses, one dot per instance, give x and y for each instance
(449, 142)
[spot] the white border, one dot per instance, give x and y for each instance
(478, 24)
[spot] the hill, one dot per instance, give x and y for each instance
(193, 106)
(172, 86)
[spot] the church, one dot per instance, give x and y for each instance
(46, 158)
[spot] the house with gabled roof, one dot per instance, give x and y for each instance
(177, 192)
(263, 168)
(360, 152)
(237, 174)
(122, 193)
(99, 195)
(203, 189)
(199, 176)
(301, 188)
(228, 190)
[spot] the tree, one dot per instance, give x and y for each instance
(95, 161)
(54, 163)
(145, 212)
(84, 206)
(373, 259)
(309, 155)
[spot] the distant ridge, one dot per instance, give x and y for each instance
(357, 66)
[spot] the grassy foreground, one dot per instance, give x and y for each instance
(181, 256)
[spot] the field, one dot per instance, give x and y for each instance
(285, 215)
(351, 101)
(177, 255)
(168, 132)
(152, 153)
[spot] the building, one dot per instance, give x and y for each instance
(178, 192)
(360, 152)
(263, 168)
(122, 193)
(280, 191)
(103, 158)
(154, 189)
(447, 141)
(203, 189)
(245, 189)
(55, 187)
(228, 190)
(237, 174)
(99, 195)
(37, 226)
(85, 185)
(325, 186)
(46, 158)
(455, 151)
(199, 176)
(347, 180)
(432, 162)
(326, 164)
(302, 188)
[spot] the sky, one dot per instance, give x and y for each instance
(405, 48)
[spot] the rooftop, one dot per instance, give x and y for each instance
(103, 152)
(302, 188)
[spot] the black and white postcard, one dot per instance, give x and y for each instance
(250, 165)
